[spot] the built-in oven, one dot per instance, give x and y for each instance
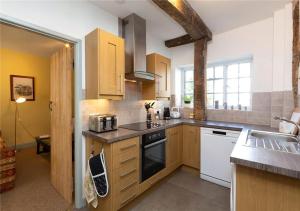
(153, 150)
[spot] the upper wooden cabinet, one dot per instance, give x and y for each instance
(191, 146)
(105, 65)
(160, 88)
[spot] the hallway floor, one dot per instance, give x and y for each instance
(33, 190)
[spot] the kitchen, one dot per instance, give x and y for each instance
(157, 103)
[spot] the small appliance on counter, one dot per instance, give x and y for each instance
(167, 113)
(175, 113)
(102, 122)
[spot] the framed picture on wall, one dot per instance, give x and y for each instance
(22, 86)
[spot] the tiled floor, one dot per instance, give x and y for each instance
(33, 190)
(184, 191)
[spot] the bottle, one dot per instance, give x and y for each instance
(157, 115)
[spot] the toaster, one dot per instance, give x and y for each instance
(102, 122)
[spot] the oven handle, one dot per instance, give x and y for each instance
(155, 143)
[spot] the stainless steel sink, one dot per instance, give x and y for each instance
(273, 141)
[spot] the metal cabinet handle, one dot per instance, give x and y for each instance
(128, 186)
(127, 173)
(129, 159)
(128, 199)
(155, 143)
(127, 147)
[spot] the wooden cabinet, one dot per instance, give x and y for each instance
(126, 172)
(105, 65)
(191, 146)
(160, 88)
(174, 148)
(122, 161)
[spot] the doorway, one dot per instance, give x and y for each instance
(60, 105)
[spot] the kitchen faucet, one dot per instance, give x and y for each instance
(292, 122)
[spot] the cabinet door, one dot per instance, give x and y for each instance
(112, 64)
(191, 146)
(162, 69)
(174, 147)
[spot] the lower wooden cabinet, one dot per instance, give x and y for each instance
(123, 164)
(123, 168)
(174, 148)
(126, 171)
(191, 146)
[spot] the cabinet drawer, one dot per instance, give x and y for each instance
(126, 195)
(130, 145)
(127, 168)
(126, 159)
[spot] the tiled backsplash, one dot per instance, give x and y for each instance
(265, 105)
(129, 110)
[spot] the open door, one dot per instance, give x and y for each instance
(61, 67)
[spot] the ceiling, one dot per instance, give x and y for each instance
(26, 41)
(219, 15)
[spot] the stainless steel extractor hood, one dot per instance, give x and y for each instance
(134, 33)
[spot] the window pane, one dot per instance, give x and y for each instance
(232, 85)
(244, 85)
(245, 70)
(245, 99)
(210, 86)
(218, 86)
(219, 72)
(189, 87)
(232, 99)
(209, 73)
(219, 97)
(210, 100)
(189, 75)
(232, 71)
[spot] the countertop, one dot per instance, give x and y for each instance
(122, 133)
(286, 164)
(277, 162)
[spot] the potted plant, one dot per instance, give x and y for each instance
(187, 99)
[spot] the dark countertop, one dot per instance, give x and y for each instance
(277, 162)
(121, 133)
(272, 161)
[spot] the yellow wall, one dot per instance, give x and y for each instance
(34, 115)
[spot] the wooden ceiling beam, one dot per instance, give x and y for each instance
(182, 40)
(182, 12)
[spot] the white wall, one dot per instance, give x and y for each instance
(269, 42)
(282, 50)
(154, 44)
(251, 40)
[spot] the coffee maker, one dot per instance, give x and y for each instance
(167, 113)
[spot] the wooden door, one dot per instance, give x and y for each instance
(163, 70)
(61, 67)
(112, 64)
(191, 146)
(174, 147)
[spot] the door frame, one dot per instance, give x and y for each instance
(78, 180)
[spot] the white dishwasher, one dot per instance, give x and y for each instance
(216, 147)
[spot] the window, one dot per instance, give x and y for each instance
(188, 85)
(229, 84)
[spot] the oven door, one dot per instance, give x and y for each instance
(153, 158)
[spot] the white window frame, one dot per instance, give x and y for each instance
(225, 67)
(183, 82)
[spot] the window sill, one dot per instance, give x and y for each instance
(221, 109)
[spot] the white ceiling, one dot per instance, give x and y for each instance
(22, 40)
(219, 15)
